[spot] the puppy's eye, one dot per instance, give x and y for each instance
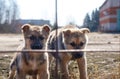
(81, 44)
(32, 37)
(72, 44)
(41, 38)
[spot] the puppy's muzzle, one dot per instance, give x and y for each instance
(36, 45)
(76, 55)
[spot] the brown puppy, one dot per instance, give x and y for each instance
(70, 37)
(31, 63)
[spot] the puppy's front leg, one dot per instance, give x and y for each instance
(20, 76)
(64, 69)
(11, 74)
(82, 64)
(43, 75)
(34, 76)
(12, 71)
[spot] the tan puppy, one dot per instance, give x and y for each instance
(70, 37)
(31, 63)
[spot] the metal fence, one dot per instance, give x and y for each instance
(69, 51)
(61, 51)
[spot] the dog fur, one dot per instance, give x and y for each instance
(35, 64)
(70, 37)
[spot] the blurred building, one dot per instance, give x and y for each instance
(110, 16)
(20, 22)
(33, 21)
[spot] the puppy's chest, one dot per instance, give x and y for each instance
(32, 72)
(34, 60)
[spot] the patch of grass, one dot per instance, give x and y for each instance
(100, 66)
(4, 66)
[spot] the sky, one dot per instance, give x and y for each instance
(68, 10)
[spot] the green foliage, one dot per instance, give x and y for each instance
(92, 22)
(87, 21)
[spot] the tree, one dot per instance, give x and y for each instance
(9, 12)
(92, 22)
(12, 11)
(15, 10)
(2, 11)
(95, 20)
(87, 21)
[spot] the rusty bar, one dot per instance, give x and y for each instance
(62, 51)
(104, 43)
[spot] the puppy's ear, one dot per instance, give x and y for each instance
(67, 33)
(46, 28)
(84, 30)
(25, 27)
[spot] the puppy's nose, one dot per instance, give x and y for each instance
(77, 47)
(77, 55)
(37, 46)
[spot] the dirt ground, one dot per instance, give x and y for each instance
(101, 65)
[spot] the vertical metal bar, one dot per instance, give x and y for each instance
(56, 28)
(56, 16)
